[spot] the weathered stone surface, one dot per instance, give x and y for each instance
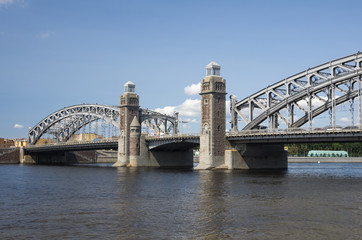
(10, 155)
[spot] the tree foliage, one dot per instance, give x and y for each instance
(300, 150)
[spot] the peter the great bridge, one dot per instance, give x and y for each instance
(291, 103)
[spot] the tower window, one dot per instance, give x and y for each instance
(206, 86)
(208, 71)
(205, 129)
(219, 86)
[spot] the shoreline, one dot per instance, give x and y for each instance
(325, 159)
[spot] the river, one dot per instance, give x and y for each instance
(307, 201)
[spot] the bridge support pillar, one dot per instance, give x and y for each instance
(25, 158)
(28, 159)
(144, 157)
(129, 109)
(135, 137)
(256, 156)
(212, 136)
(123, 153)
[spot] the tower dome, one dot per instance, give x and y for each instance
(213, 68)
(129, 87)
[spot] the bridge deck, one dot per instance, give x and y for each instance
(73, 146)
(296, 136)
(248, 136)
(172, 137)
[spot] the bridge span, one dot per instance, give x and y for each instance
(184, 141)
(291, 103)
(181, 143)
(285, 136)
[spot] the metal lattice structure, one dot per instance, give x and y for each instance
(64, 123)
(159, 122)
(312, 92)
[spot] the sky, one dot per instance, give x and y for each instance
(55, 54)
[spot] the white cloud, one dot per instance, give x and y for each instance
(18, 125)
(344, 119)
(5, 2)
(227, 110)
(46, 34)
(189, 108)
(194, 89)
(315, 102)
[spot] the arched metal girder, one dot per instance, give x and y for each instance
(69, 115)
(159, 122)
(65, 122)
(70, 128)
(316, 88)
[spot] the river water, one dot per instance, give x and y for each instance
(308, 201)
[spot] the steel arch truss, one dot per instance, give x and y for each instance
(64, 123)
(160, 123)
(71, 125)
(311, 93)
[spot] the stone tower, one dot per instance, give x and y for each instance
(135, 136)
(212, 135)
(129, 109)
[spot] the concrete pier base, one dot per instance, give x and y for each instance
(257, 156)
(28, 159)
(207, 159)
(120, 163)
(122, 158)
(211, 162)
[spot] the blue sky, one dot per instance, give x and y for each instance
(55, 54)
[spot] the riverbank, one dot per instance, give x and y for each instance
(325, 159)
(315, 159)
(9, 155)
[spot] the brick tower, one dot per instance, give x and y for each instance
(129, 109)
(212, 135)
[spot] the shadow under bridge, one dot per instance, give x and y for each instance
(172, 151)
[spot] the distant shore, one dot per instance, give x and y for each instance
(325, 159)
(315, 159)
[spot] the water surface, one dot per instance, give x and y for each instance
(308, 201)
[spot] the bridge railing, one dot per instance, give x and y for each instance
(75, 143)
(179, 135)
(295, 131)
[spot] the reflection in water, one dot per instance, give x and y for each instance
(211, 212)
(308, 201)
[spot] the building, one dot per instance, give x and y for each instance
(45, 141)
(6, 143)
(85, 137)
(23, 142)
